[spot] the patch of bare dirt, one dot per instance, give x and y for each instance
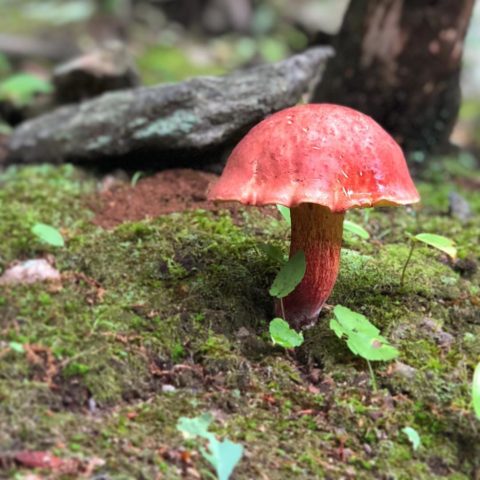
(165, 192)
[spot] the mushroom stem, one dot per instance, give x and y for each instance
(318, 233)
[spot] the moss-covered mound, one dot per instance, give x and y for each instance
(167, 318)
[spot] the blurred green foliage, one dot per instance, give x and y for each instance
(20, 89)
(163, 63)
(59, 13)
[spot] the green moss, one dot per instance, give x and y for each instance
(46, 194)
(183, 301)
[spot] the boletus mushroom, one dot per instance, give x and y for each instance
(320, 160)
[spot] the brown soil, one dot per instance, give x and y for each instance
(165, 192)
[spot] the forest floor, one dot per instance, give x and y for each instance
(162, 312)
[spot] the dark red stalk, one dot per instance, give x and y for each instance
(318, 233)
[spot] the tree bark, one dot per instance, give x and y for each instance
(399, 61)
(164, 124)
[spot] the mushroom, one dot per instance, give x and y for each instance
(320, 160)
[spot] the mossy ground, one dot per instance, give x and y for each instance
(183, 301)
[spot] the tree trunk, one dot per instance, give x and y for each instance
(399, 61)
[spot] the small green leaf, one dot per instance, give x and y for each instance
(285, 212)
(370, 348)
(289, 276)
(283, 335)
(223, 456)
(337, 327)
(413, 437)
(195, 427)
(439, 242)
(16, 347)
(363, 338)
(355, 229)
(476, 391)
(350, 321)
(48, 234)
(136, 177)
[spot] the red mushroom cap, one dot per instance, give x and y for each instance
(317, 153)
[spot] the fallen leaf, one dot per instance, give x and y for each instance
(36, 459)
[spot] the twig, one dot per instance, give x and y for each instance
(372, 376)
(283, 309)
(412, 247)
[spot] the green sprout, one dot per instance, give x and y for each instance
(363, 338)
(285, 212)
(48, 234)
(476, 391)
(223, 456)
(289, 276)
(356, 229)
(283, 335)
(136, 177)
(413, 437)
(439, 242)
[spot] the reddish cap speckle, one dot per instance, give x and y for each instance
(317, 153)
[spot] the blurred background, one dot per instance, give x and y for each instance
(150, 42)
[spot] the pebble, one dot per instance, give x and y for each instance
(403, 370)
(30, 271)
(243, 333)
(92, 405)
(458, 207)
(167, 388)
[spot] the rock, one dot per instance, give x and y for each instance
(444, 339)
(458, 207)
(467, 267)
(429, 324)
(242, 333)
(165, 124)
(403, 370)
(92, 405)
(435, 332)
(167, 388)
(97, 72)
(30, 271)
(221, 16)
